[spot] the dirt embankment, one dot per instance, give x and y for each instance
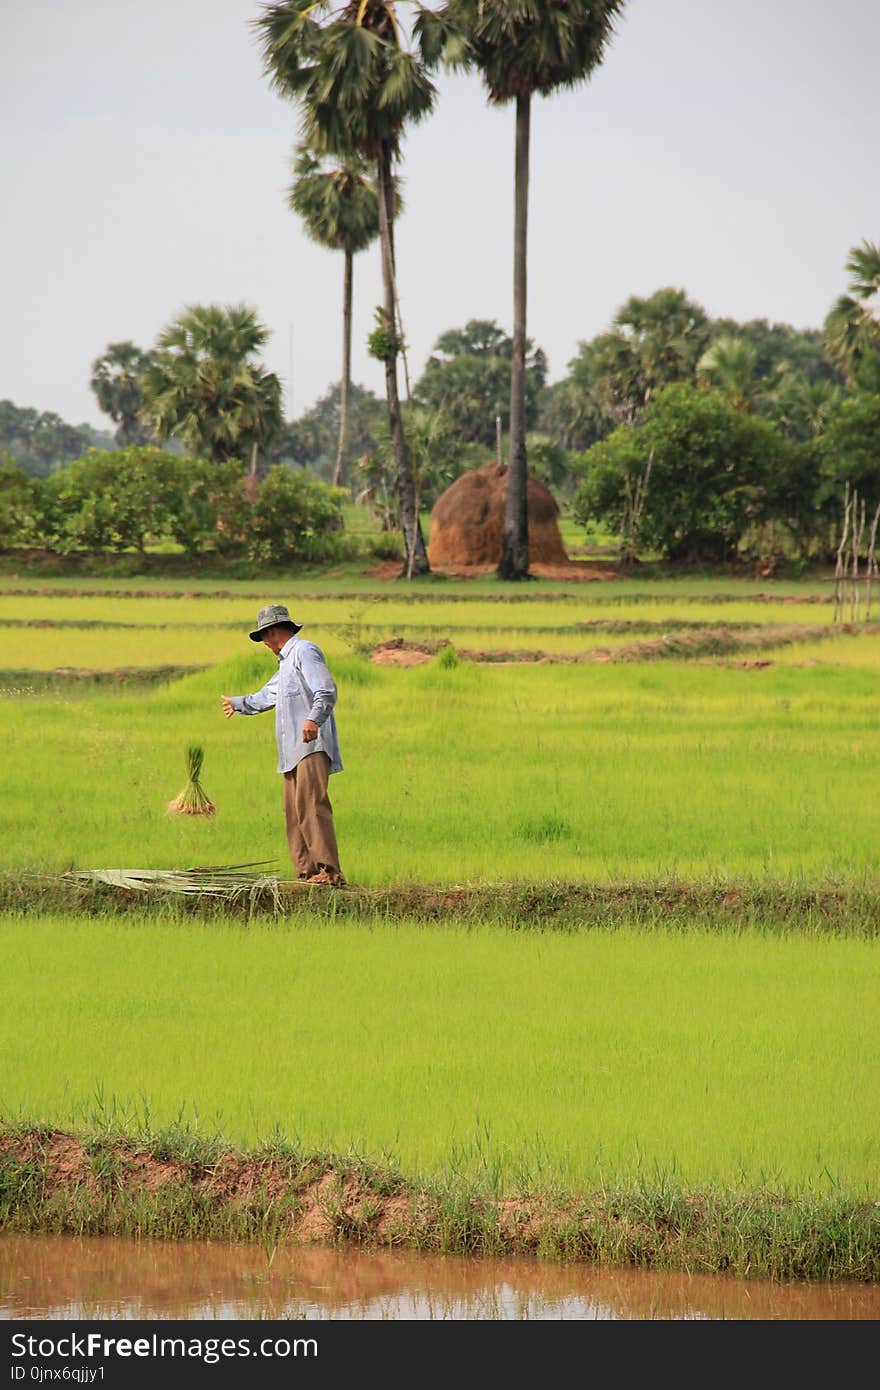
(56, 1182)
(104, 1185)
(247, 893)
(681, 645)
(313, 1201)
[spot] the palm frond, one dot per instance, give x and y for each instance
(337, 201)
(229, 883)
(863, 266)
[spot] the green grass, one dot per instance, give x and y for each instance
(101, 632)
(475, 774)
(81, 683)
(524, 1062)
(846, 651)
(111, 647)
(701, 837)
(355, 580)
(588, 603)
(174, 1184)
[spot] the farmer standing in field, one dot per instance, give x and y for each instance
(303, 693)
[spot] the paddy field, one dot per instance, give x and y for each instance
(609, 942)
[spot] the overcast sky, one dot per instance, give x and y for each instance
(727, 149)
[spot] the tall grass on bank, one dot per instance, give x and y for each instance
(457, 774)
(174, 1185)
(520, 1062)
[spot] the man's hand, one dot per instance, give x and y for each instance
(227, 706)
(310, 731)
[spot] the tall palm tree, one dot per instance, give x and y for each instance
(203, 386)
(801, 408)
(667, 332)
(339, 206)
(357, 86)
(116, 382)
(852, 328)
(730, 362)
(521, 48)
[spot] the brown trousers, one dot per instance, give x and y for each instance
(311, 836)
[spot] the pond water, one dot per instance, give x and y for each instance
(49, 1277)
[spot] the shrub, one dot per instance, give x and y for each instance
(296, 516)
(110, 500)
(712, 473)
(22, 508)
(849, 451)
(214, 510)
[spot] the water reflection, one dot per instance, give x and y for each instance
(67, 1277)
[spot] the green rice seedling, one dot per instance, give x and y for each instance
(115, 648)
(848, 649)
(448, 659)
(193, 800)
(544, 830)
(466, 1053)
(472, 612)
(662, 771)
(353, 583)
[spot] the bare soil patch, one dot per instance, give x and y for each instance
(399, 652)
(677, 644)
(579, 571)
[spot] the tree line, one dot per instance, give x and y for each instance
(40, 442)
(357, 80)
(728, 435)
(775, 421)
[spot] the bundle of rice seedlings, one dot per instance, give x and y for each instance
(192, 801)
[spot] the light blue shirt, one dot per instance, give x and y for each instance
(302, 688)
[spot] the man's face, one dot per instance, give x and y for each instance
(275, 637)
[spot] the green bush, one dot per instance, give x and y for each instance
(849, 451)
(22, 508)
(138, 496)
(111, 500)
(213, 510)
(714, 474)
(295, 516)
(388, 545)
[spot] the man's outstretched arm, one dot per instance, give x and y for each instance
(257, 703)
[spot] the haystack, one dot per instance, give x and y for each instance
(467, 522)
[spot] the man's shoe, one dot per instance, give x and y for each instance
(325, 876)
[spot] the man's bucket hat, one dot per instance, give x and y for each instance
(272, 616)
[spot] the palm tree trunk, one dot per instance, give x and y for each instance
(416, 556)
(346, 368)
(514, 563)
(400, 322)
